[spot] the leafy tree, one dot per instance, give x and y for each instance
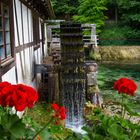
(65, 9)
(92, 11)
(130, 17)
(113, 6)
(130, 12)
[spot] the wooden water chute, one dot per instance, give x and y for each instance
(49, 86)
(72, 76)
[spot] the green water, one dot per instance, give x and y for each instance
(109, 72)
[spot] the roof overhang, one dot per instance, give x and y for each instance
(42, 7)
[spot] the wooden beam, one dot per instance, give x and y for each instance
(30, 7)
(43, 7)
(6, 67)
(24, 46)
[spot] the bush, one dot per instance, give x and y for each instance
(111, 34)
(114, 34)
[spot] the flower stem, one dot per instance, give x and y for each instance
(42, 129)
(134, 135)
(130, 117)
(138, 122)
(123, 113)
(122, 107)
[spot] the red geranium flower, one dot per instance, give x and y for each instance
(32, 95)
(125, 85)
(55, 107)
(5, 93)
(19, 96)
(60, 112)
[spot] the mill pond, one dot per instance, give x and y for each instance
(110, 71)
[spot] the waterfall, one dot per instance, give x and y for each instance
(72, 76)
(73, 98)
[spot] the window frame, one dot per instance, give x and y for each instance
(8, 59)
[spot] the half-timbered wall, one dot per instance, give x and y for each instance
(29, 39)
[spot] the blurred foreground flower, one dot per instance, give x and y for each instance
(19, 96)
(14, 99)
(59, 113)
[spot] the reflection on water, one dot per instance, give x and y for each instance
(109, 72)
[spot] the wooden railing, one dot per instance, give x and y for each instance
(90, 39)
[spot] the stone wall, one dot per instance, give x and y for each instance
(92, 90)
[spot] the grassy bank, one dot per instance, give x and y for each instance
(119, 53)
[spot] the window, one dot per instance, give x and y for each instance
(5, 39)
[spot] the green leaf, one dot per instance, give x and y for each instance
(130, 111)
(13, 125)
(116, 131)
(17, 129)
(7, 121)
(98, 137)
(138, 133)
(86, 137)
(45, 134)
(124, 123)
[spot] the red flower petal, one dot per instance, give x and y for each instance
(125, 85)
(55, 107)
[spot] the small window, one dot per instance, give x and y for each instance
(5, 40)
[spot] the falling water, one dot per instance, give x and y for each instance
(72, 73)
(74, 99)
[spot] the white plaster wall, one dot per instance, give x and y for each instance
(32, 59)
(25, 57)
(41, 55)
(30, 25)
(28, 56)
(25, 76)
(25, 21)
(18, 9)
(36, 56)
(19, 70)
(28, 70)
(10, 76)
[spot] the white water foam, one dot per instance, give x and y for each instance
(76, 126)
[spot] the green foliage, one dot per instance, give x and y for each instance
(14, 128)
(130, 14)
(111, 34)
(131, 6)
(101, 126)
(127, 30)
(91, 11)
(11, 127)
(40, 115)
(110, 127)
(117, 35)
(65, 7)
(110, 72)
(94, 55)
